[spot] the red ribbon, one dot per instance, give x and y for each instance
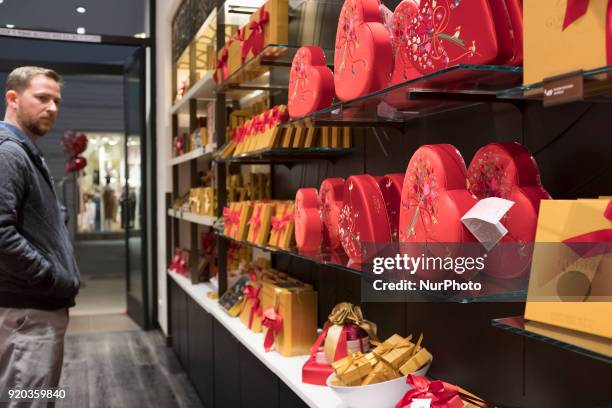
(252, 293)
(441, 394)
(574, 9)
(255, 42)
(341, 348)
(279, 224)
(256, 221)
(601, 239)
(221, 66)
(232, 218)
(274, 322)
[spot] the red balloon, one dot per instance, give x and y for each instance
(68, 143)
(75, 164)
(79, 144)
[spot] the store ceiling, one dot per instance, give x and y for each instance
(109, 17)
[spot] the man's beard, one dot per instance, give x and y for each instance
(35, 127)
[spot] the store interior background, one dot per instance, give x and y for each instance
(93, 103)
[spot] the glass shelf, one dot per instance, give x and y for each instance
(597, 88)
(449, 89)
(253, 75)
(288, 155)
(509, 290)
(588, 345)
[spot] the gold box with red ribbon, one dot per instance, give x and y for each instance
(562, 36)
(571, 274)
(259, 224)
(282, 224)
(289, 316)
(268, 25)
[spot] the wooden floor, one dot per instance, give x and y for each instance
(123, 369)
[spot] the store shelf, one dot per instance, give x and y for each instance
(194, 218)
(253, 75)
(202, 152)
(288, 369)
(595, 347)
(506, 290)
(448, 89)
(288, 155)
(597, 87)
(201, 90)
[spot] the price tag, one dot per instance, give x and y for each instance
(564, 89)
(420, 403)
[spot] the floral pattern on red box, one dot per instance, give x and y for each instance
(435, 197)
(451, 32)
(391, 188)
(363, 218)
(311, 82)
(363, 57)
(403, 16)
(509, 171)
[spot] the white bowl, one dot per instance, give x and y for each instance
(381, 395)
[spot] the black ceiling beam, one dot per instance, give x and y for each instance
(65, 68)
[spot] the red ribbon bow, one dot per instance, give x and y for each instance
(601, 240)
(274, 322)
(256, 221)
(574, 9)
(221, 70)
(232, 218)
(279, 224)
(255, 42)
(441, 394)
(251, 293)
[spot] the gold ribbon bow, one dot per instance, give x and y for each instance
(342, 314)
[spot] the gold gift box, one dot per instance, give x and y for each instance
(260, 227)
(207, 199)
(416, 362)
(559, 220)
(244, 209)
(195, 201)
(352, 368)
(247, 310)
(296, 303)
(282, 237)
(276, 29)
(550, 50)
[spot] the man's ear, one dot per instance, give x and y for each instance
(11, 97)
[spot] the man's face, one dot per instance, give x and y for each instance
(38, 104)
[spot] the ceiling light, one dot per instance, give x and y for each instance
(10, 26)
(1, 1)
(105, 139)
(140, 35)
(81, 10)
(81, 30)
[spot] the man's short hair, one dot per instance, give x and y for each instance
(19, 79)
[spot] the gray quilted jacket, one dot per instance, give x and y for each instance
(37, 265)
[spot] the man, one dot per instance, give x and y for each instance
(39, 278)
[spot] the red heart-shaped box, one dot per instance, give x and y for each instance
(451, 32)
(308, 226)
(403, 16)
(509, 171)
(363, 218)
(510, 45)
(311, 82)
(363, 58)
(515, 9)
(331, 200)
(434, 198)
(391, 188)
